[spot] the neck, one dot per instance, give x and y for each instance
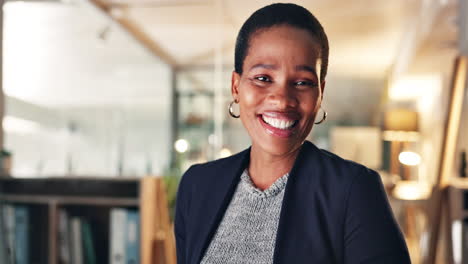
(265, 168)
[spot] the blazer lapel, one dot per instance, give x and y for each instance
(290, 236)
(213, 213)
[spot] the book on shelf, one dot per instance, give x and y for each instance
(118, 223)
(132, 239)
(3, 246)
(76, 241)
(9, 231)
(124, 236)
(21, 234)
(64, 238)
(88, 245)
(15, 227)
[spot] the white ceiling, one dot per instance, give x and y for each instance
(364, 35)
(53, 56)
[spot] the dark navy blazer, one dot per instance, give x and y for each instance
(334, 211)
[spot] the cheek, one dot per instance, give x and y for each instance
(249, 99)
(310, 106)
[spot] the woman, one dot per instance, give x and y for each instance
(283, 200)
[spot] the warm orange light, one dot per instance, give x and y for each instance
(409, 158)
(412, 190)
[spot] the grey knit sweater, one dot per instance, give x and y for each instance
(247, 232)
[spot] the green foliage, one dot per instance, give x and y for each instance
(5, 153)
(171, 181)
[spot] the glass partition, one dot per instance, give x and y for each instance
(83, 97)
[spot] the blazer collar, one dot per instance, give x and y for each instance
(221, 197)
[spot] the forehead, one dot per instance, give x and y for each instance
(283, 43)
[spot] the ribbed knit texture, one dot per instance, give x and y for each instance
(247, 232)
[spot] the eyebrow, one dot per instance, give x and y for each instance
(265, 66)
(306, 68)
(274, 67)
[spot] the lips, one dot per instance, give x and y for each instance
(279, 124)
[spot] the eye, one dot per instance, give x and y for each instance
(305, 84)
(262, 78)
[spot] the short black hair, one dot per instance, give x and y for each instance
(275, 15)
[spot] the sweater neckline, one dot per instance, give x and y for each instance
(274, 189)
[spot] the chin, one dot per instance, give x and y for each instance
(279, 147)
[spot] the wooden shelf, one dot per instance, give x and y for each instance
(459, 183)
(70, 200)
(73, 187)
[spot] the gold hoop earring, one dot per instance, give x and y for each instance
(324, 117)
(231, 111)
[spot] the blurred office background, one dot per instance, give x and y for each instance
(130, 88)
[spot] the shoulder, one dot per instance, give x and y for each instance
(332, 168)
(348, 165)
(355, 180)
(331, 161)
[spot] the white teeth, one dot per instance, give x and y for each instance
(282, 124)
(278, 123)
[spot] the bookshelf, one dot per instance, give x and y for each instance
(447, 195)
(92, 199)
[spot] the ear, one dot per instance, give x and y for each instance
(235, 79)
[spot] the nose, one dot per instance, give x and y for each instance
(283, 97)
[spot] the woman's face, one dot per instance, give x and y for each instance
(279, 91)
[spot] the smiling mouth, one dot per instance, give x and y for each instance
(279, 123)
